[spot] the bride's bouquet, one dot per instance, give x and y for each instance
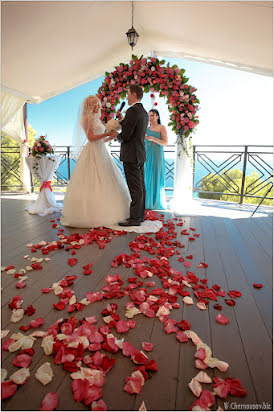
(41, 147)
(113, 125)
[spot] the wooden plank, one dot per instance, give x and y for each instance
(261, 259)
(257, 344)
(222, 336)
(263, 297)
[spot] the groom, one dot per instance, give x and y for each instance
(133, 153)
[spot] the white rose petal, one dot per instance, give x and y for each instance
(28, 342)
(47, 259)
(85, 301)
(3, 268)
(29, 244)
(58, 290)
(11, 272)
(72, 300)
(20, 376)
(17, 315)
(47, 344)
(188, 300)
(44, 374)
(4, 374)
(29, 268)
(4, 333)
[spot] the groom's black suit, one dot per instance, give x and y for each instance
(133, 156)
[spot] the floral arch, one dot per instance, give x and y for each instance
(154, 76)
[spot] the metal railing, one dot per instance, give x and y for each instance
(216, 162)
(212, 167)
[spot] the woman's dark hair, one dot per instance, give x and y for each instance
(157, 114)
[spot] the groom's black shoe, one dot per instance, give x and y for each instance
(130, 222)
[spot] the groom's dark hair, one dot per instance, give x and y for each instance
(135, 88)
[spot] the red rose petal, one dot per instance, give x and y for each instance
(8, 389)
(235, 387)
(49, 402)
(218, 307)
(46, 290)
(257, 285)
(22, 361)
(234, 294)
(79, 389)
(223, 320)
(37, 322)
(147, 346)
(182, 336)
(230, 302)
(99, 406)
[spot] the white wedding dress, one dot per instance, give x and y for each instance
(97, 194)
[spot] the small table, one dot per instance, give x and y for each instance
(43, 169)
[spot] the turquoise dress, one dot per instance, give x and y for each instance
(155, 173)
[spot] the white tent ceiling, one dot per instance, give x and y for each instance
(49, 47)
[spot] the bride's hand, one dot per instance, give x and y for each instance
(149, 138)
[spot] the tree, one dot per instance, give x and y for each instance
(10, 160)
(231, 181)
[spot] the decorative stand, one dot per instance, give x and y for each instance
(43, 169)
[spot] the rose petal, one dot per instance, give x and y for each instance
(4, 374)
(49, 402)
(44, 373)
(195, 387)
(4, 333)
(203, 377)
(257, 285)
(21, 376)
(182, 336)
(99, 405)
(147, 346)
(223, 320)
(8, 389)
(22, 361)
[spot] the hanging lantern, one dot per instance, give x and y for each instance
(132, 35)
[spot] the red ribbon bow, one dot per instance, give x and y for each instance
(46, 184)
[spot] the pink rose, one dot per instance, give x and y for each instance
(186, 128)
(191, 124)
(41, 149)
(132, 81)
(36, 149)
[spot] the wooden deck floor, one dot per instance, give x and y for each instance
(238, 252)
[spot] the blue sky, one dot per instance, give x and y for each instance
(236, 107)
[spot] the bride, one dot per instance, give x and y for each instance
(97, 194)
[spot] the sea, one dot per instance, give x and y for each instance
(202, 168)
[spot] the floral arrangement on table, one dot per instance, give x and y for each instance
(155, 77)
(41, 147)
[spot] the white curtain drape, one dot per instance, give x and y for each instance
(12, 125)
(182, 202)
(11, 120)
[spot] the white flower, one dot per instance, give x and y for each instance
(108, 104)
(181, 93)
(152, 68)
(189, 115)
(113, 125)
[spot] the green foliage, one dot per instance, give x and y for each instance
(10, 160)
(231, 181)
